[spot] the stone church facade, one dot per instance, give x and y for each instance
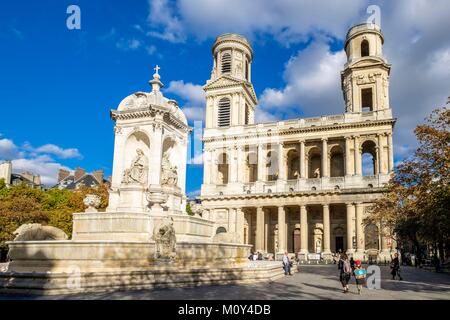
(299, 185)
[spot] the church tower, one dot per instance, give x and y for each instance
(365, 79)
(230, 97)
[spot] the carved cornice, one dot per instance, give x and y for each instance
(294, 131)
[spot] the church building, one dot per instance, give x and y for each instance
(301, 185)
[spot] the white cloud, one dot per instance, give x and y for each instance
(128, 44)
(192, 94)
(286, 20)
(312, 84)
(193, 194)
(36, 160)
(8, 150)
(58, 151)
(43, 166)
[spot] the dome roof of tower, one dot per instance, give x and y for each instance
(363, 28)
(232, 37)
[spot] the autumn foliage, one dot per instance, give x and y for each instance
(416, 206)
(21, 204)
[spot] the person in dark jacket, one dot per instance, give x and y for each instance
(346, 272)
(395, 266)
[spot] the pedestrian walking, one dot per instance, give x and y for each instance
(360, 275)
(346, 272)
(395, 266)
(286, 264)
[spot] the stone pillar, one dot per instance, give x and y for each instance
(207, 163)
(233, 164)
(349, 168)
(380, 158)
(214, 167)
(360, 246)
(240, 224)
(325, 157)
(303, 230)
(358, 164)
(350, 216)
(302, 159)
(385, 254)
(241, 164)
(261, 164)
(326, 231)
(281, 162)
(391, 152)
(282, 243)
(259, 229)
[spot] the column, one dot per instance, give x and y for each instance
(240, 225)
(259, 229)
(391, 152)
(348, 164)
(207, 170)
(282, 243)
(233, 164)
(350, 216)
(326, 229)
(303, 229)
(261, 164)
(380, 158)
(359, 228)
(358, 169)
(324, 157)
(241, 164)
(281, 162)
(232, 220)
(214, 167)
(302, 159)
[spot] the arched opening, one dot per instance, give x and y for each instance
(314, 163)
(222, 169)
(371, 237)
(169, 163)
(369, 160)
(224, 114)
(365, 50)
(366, 100)
(293, 164)
(226, 63)
(247, 114)
(252, 167)
(221, 230)
(336, 162)
(137, 142)
(272, 166)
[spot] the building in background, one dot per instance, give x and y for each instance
(301, 185)
(80, 178)
(13, 179)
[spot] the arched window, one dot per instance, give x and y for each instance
(364, 48)
(226, 63)
(224, 113)
(252, 167)
(369, 161)
(293, 164)
(336, 162)
(315, 164)
(221, 230)
(366, 100)
(222, 169)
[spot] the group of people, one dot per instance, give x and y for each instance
(348, 268)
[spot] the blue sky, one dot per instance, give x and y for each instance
(58, 85)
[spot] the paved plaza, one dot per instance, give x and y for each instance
(312, 282)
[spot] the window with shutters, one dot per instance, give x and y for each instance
(224, 114)
(226, 63)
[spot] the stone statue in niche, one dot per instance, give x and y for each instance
(317, 173)
(137, 173)
(165, 240)
(169, 174)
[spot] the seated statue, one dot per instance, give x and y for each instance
(137, 173)
(169, 174)
(38, 232)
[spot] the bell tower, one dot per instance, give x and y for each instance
(230, 97)
(365, 79)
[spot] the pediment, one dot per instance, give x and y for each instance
(367, 62)
(228, 81)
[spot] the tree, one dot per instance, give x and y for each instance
(416, 203)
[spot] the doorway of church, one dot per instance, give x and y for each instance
(339, 244)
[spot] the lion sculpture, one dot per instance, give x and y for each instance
(38, 232)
